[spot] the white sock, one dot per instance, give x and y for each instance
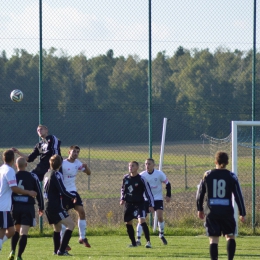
(139, 231)
(82, 225)
(63, 229)
(1, 243)
(161, 228)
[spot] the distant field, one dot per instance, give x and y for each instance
(184, 164)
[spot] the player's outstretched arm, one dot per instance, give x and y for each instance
(15, 150)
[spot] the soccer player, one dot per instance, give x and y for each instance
(155, 178)
(219, 184)
(70, 168)
(56, 214)
(23, 211)
(132, 196)
(47, 147)
(8, 184)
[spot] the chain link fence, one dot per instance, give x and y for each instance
(95, 89)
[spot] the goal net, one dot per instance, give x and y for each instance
(243, 146)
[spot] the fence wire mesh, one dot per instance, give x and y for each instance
(95, 88)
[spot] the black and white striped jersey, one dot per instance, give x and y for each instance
(219, 185)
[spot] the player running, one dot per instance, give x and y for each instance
(46, 148)
(155, 178)
(219, 185)
(133, 188)
(23, 211)
(70, 168)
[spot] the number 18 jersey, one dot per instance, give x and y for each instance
(219, 185)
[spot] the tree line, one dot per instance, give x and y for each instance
(105, 98)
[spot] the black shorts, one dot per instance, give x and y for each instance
(67, 203)
(6, 220)
(158, 204)
(40, 171)
(23, 214)
(217, 227)
(55, 215)
(133, 210)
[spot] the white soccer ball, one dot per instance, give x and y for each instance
(16, 95)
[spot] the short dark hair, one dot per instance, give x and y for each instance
(221, 158)
(72, 147)
(8, 156)
(55, 162)
(135, 162)
(150, 159)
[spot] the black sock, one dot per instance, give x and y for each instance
(65, 240)
(56, 241)
(213, 250)
(14, 240)
(22, 245)
(231, 248)
(131, 233)
(146, 231)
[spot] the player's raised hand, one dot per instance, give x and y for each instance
(15, 150)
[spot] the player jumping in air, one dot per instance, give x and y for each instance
(46, 148)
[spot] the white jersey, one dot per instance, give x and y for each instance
(7, 180)
(70, 171)
(155, 180)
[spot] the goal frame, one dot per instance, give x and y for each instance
(234, 125)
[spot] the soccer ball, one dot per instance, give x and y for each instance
(16, 95)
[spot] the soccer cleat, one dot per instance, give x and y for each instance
(19, 258)
(65, 253)
(138, 242)
(164, 240)
(148, 245)
(84, 241)
(68, 248)
(11, 255)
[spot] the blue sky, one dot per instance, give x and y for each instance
(95, 26)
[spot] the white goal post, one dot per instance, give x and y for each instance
(234, 149)
(155, 222)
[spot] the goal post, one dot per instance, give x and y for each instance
(155, 222)
(234, 149)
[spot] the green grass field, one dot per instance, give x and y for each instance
(116, 247)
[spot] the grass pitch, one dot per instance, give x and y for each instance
(116, 247)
